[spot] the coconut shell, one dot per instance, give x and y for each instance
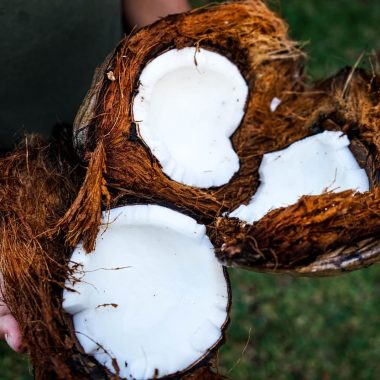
(253, 38)
(39, 182)
(333, 232)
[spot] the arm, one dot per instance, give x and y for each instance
(144, 12)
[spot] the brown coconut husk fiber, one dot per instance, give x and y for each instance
(38, 183)
(252, 37)
(49, 202)
(333, 232)
(37, 186)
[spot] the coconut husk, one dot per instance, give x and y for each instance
(333, 232)
(253, 38)
(39, 182)
(37, 186)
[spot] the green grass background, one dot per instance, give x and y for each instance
(300, 328)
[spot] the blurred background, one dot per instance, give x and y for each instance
(300, 328)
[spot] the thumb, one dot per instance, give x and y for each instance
(10, 331)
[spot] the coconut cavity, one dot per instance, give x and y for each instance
(151, 300)
(189, 103)
(315, 165)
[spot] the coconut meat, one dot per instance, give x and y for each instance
(311, 166)
(189, 103)
(151, 300)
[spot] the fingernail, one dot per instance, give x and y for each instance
(11, 343)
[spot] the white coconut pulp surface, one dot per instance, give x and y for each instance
(189, 103)
(152, 295)
(310, 166)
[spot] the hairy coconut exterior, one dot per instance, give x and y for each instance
(253, 38)
(333, 232)
(37, 186)
(38, 183)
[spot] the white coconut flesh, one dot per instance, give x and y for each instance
(311, 166)
(151, 297)
(189, 103)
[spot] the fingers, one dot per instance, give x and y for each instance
(9, 328)
(3, 308)
(10, 331)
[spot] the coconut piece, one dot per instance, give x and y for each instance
(151, 300)
(312, 166)
(191, 100)
(243, 37)
(330, 233)
(274, 104)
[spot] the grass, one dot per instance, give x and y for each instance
(299, 328)
(13, 366)
(336, 31)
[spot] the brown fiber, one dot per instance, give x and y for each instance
(253, 38)
(331, 233)
(38, 183)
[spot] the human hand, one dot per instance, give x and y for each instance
(9, 328)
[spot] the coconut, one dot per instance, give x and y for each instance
(162, 302)
(217, 56)
(39, 182)
(332, 232)
(312, 166)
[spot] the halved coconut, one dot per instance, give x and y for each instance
(180, 112)
(315, 165)
(326, 234)
(189, 103)
(151, 300)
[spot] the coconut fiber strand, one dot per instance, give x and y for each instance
(37, 186)
(49, 202)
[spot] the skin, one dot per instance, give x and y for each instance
(9, 329)
(135, 13)
(144, 12)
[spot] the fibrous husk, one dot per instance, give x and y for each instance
(332, 232)
(253, 38)
(38, 183)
